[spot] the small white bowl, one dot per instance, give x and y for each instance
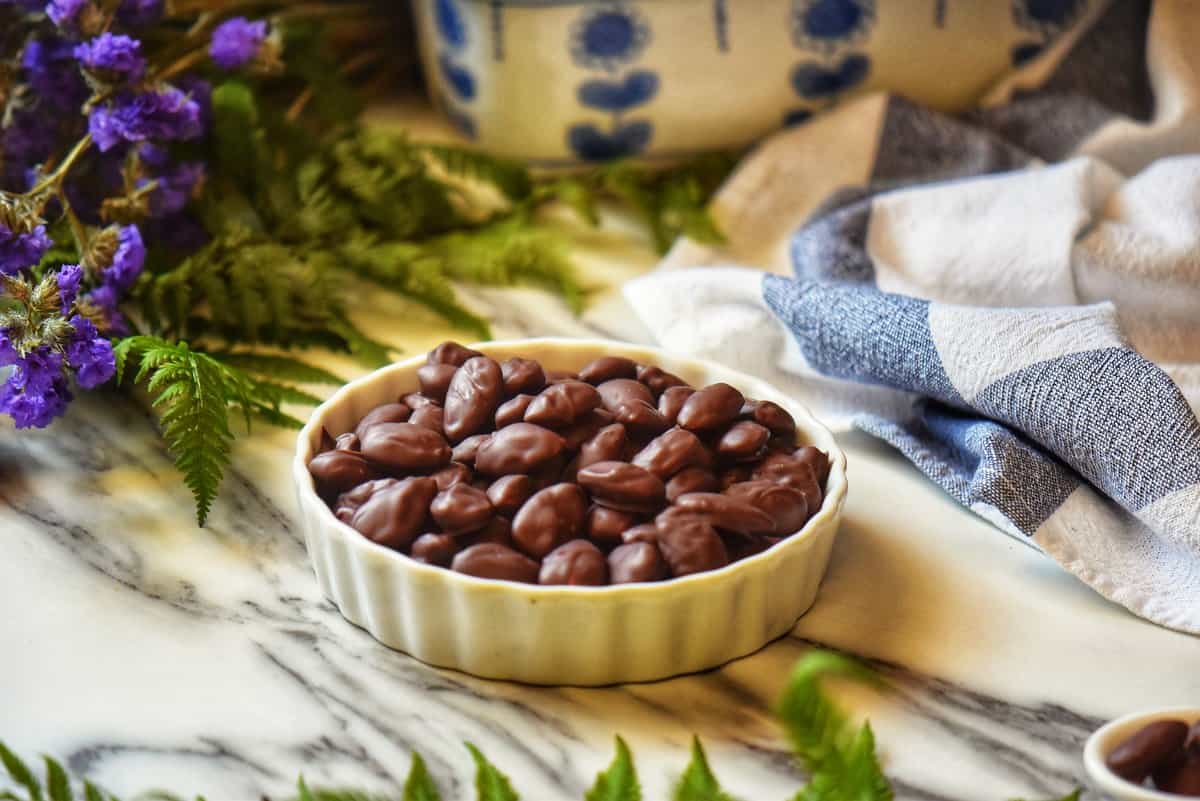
(1110, 735)
(554, 634)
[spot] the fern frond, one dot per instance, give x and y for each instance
(511, 177)
(279, 368)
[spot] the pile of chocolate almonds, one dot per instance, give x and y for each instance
(620, 473)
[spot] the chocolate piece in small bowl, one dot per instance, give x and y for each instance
(1147, 756)
(517, 502)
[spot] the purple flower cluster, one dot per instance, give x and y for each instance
(37, 387)
(236, 42)
(113, 57)
(20, 250)
(165, 114)
(59, 339)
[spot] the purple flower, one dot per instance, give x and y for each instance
(113, 57)
(127, 261)
(236, 41)
(8, 354)
(130, 117)
(51, 70)
(19, 251)
(36, 392)
(69, 278)
(139, 12)
(175, 186)
(65, 13)
(105, 299)
(90, 354)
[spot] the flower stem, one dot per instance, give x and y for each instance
(54, 179)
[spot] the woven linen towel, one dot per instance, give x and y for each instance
(1011, 298)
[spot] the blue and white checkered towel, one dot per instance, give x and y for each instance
(1010, 298)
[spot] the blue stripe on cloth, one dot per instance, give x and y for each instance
(833, 246)
(862, 334)
(979, 461)
(1111, 414)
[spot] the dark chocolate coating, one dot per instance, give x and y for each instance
(619, 390)
(624, 486)
(783, 504)
(395, 514)
(577, 562)
(549, 518)
(451, 353)
(672, 400)
(585, 428)
(507, 493)
(348, 502)
(711, 408)
(743, 441)
(606, 368)
(636, 562)
(643, 532)
(434, 549)
(522, 376)
(559, 405)
(404, 447)
(472, 398)
(774, 418)
(726, 512)
(606, 445)
(817, 459)
(451, 474)
(347, 442)
(435, 380)
(689, 543)
(336, 471)
(494, 561)
(657, 379)
(430, 417)
(512, 410)
(667, 454)
(415, 400)
(461, 508)
(783, 468)
(1147, 749)
(691, 479)
(641, 418)
(604, 526)
(497, 530)
(518, 448)
(387, 413)
(465, 451)
(1180, 776)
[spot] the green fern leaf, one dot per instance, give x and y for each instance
(620, 781)
(1071, 796)
(419, 786)
(490, 783)
(698, 782)
(91, 792)
(510, 177)
(279, 368)
(20, 773)
(58, 786)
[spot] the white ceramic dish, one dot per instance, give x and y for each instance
(564, 635)
(1107, 737)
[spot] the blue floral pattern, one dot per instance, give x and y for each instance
(605, 38)
(826, 25)
(452, 29)
(609, 36)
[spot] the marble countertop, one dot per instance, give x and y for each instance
(146, 653)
